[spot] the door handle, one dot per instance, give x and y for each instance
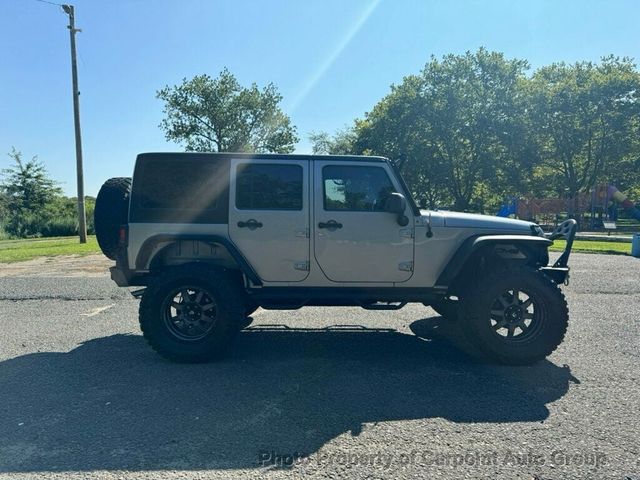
(331, 225)
(251, 224)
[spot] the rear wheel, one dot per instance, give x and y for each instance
(191, 314)
(515, 316)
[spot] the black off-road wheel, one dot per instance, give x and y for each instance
(515, 316)
(111, 211)
(190, 314)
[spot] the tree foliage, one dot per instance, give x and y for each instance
(219, 115)
(471, 129)
(584, 120)
(457, 124)
(397, 128)
(32, 204)
(26, 185)
(341, 143)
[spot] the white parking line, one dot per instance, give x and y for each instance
(95, 311)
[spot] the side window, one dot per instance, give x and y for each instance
(354, 188)
(180, 189)
(183, 185)
(261, 186)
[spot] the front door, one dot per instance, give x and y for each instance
(355, 240)
(269, 216)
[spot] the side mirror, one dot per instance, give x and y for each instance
(397, 204)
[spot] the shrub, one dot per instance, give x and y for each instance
(59, 227)
(3, 234)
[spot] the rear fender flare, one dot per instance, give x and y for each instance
(149, 248)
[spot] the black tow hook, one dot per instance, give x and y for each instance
(138, 293)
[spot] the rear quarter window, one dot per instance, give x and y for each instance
(180, 190)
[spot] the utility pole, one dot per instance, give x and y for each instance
(82, 216)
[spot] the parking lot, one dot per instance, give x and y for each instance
(327, 392)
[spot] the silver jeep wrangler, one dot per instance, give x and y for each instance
(214, 236)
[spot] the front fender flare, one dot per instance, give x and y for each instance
(473, 244)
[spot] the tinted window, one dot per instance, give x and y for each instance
(355, 188)
(181, 184)
(268, 187)
(182, 190)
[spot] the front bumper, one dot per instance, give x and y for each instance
(559, 271)
(557, 274)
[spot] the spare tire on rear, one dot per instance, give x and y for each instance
(111, 211)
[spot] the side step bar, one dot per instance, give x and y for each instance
(383, 305)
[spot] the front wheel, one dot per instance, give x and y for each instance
(191, 314)
(515, 316)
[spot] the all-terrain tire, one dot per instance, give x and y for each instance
(549, 317)
(160, 331)
(446, 308)
(111, 211)
(250, 307)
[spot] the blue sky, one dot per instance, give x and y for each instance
(332, 60)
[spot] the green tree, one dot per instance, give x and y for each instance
(27, 185)
(27, 190)
(585, 120)
(341, 143)
(397, 128)
(220, 115)
(474, 109)
(455, 128)
(4, 201)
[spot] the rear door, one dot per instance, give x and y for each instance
(269, 216)
(355, 240)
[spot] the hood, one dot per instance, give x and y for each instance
(472, 220)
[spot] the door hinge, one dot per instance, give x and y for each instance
(406, 266)
(301, 266)
(302, 232)
(407, 232)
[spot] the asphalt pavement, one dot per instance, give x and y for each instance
(322, 392)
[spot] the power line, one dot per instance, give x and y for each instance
(50, 3)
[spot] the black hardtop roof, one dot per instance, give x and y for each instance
(260, 156)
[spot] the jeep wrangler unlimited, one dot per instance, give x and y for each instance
(214, 236)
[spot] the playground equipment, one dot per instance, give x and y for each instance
(635, 245)
(509, 208)
(602, 204)
(544, 210)
(607, 197)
